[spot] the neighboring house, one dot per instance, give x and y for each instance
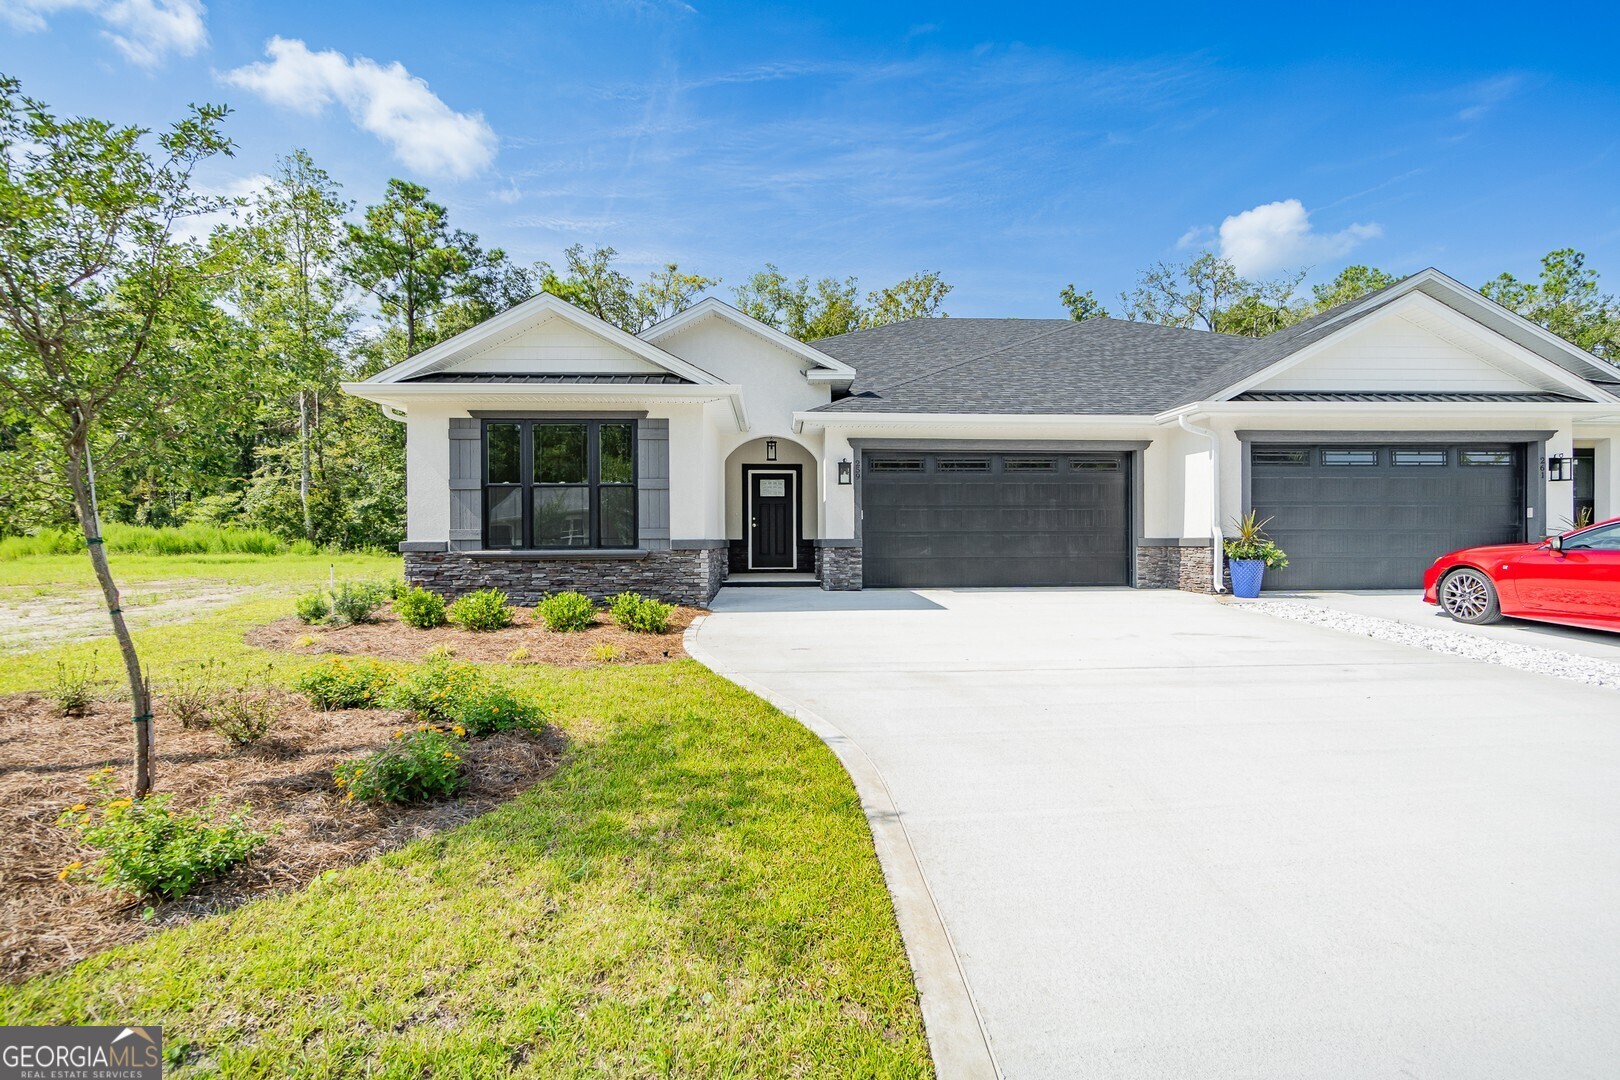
(546, 449)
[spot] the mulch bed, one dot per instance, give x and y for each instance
(391, 639)
(46, 923)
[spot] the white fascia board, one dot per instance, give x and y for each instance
(713, 307)
(1282, 410)
(822, 375)
(1535, 329)
(513, 319)
(408, 392)
(828, 420)
(1434, 309)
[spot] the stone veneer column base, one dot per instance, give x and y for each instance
(689, 577)
(1170, 567)
(839, 568)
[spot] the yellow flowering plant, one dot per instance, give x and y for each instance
(415, 766)
(151, 849)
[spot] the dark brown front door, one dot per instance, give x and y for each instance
(772, 527)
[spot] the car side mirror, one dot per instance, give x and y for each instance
(1556, 543)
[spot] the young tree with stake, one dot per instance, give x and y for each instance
(105, 309)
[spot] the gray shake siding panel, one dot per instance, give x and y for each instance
(652, 480)
(466, 484)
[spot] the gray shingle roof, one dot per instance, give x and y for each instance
(1025, 365)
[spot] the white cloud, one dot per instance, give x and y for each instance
(390, 102)
(1279, 234)
(145, 31)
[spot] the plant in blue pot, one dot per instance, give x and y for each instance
(1249, 553)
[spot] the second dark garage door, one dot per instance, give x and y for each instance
(1365, 516)
(995, 519)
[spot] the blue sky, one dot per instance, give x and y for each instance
(1014, 148)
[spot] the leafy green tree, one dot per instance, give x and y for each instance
(1265, 307)
(590, 281)
(1191, 294)
(1082, 305)
(104, 307)
(291, 294)
(1352, 283)
(1567, 301)
(920, 296)
(405, 255)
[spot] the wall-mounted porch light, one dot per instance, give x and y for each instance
(770, 449)
(1560, 467)
(845, 471)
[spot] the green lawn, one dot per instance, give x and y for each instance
(693, 894)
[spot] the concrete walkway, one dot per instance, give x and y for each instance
(1172, 838)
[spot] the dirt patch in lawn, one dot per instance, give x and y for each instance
(46, 923)
(39, 616)
(391, 639)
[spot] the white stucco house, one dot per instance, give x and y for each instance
(547, 449)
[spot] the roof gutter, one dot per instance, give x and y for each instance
(1218, 548)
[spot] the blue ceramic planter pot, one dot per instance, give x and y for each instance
(1246, 577)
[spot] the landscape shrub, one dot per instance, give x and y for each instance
(151, 849)
(415, 766)
(420, 608)
(445, 693)
(566, 611)
(494, 709)
(312, 607)
(193, 693)
(482, 611)
(243, 716)
(604, 652)
(357, 601)
(433, 691)
(641, 614)
(347, 684)
(73, 688)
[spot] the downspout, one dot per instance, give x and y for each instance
(1217, 552)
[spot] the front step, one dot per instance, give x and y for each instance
(768, 580)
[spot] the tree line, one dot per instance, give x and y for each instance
(1207, 293)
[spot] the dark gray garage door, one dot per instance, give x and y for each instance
(967, 519)
(1361, 516)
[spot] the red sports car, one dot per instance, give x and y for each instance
(1573, 579)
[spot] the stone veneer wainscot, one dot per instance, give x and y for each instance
(690, 576)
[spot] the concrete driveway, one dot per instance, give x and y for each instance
(1169, 837)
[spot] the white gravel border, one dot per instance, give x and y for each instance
(1563, 665)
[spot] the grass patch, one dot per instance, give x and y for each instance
(694, 893)
(149, 540)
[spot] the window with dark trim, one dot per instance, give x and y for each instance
(960, 465)
(1028, 465)
(1105, 464)
(561, 483)
(1485, 457)
(1350, 457)
(879, 465)
(1272, 455)
(1419, 457)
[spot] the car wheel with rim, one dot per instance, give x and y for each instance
(1467, 595)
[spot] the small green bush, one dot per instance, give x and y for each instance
(347, 684)
(73, 688)
(461, 695)
(150, 849)
(420, 608)
(641, 614)
(191, 696)
(416, 766)
(482, 611)
(243, 716)
(496, 709)
(357, 601)
(566, 611)
(434, 691)
(312, 607)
